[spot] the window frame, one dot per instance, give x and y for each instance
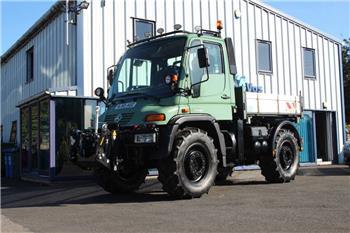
(30, 76)
(135, 21)
(314, 63)
(260, 71)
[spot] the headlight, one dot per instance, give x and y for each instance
(145, 138)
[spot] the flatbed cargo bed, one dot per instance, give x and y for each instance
(266, 104)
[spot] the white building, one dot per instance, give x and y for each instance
(275, 52)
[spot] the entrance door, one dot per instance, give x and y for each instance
(325, 137)
(306, 131)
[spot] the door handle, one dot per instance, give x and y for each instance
(225, 97)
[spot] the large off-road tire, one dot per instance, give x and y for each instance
(117, 182)
(283, 165)
(190, 171)
(223, 173)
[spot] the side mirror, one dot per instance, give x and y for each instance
(110, 76)
(203, 57)
(100, 93)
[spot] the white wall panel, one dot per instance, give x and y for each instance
(327, 76)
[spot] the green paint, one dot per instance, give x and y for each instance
(216, 95)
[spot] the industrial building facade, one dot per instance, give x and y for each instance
(65, 56)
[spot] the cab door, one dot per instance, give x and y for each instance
(212, 96)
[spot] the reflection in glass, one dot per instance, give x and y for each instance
(44, 145)
(25, 138)
(34, 135)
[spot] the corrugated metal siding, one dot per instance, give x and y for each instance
(106, 29)
(54, 67)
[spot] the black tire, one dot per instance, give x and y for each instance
(223, 173)
(283, 165)
(114, 182)
(191, 169)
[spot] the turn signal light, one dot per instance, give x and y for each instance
(174, 78)
(155, 117)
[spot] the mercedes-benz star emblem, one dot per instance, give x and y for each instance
(118, 118)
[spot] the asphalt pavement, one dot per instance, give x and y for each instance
(317, 201)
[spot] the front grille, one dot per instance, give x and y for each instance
(126, 117)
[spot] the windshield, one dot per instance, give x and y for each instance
(143, 68)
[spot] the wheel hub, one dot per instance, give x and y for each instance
(286, 155)
(195, 165)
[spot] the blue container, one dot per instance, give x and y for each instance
(306, 131)
(9, 161)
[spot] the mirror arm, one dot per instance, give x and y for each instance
(203, 81)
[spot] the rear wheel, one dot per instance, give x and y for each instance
(283, 165)
(121, 181)
(191, 169)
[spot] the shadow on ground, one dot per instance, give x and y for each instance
(17, 194)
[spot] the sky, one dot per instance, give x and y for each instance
(330, 16)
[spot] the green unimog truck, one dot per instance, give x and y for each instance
(175, 103)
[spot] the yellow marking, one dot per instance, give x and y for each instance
(273, 152)
(102, 139)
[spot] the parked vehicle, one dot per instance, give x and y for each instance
(174, 104)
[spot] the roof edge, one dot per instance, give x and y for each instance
(280, 13)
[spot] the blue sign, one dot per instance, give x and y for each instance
(240, 81)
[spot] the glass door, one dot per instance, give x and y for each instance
(44, 137)
(25, 138)
(34, 136)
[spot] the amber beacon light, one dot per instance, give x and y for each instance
(219, 25)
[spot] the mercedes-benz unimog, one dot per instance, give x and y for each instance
(175, 104)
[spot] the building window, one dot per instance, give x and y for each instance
(264, 56)
(30, 65)
(309, 63)
(143, 28)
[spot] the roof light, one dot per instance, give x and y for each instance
(198, 29)
(160, 31)
(177, 27)
(84, 5)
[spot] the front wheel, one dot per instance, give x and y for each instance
(283, 165)
(191, 169)
(121, 181)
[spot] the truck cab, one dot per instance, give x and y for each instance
(174, 104)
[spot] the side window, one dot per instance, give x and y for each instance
(309, 63)
(264, 56)
(215, 58)
(196, 73)
(123, 82)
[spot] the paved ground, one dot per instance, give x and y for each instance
(317, 201)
